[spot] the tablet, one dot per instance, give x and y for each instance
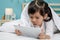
(28, 31)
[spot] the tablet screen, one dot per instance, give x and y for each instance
(29, 31)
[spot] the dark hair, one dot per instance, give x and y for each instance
(43, 9)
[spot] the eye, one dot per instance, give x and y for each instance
(37, 17)
(31, 17)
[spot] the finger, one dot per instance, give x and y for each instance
(47, 36)
(18, 32)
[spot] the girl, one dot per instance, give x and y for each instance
(39, 14)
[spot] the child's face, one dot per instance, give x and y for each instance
(36, 19)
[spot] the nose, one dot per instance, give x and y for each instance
(34, 21)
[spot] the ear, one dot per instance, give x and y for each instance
(45, 16)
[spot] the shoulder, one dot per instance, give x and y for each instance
(50, 23)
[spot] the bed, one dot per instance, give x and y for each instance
(11, 36)
(7, 32)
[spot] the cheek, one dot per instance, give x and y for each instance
(39, 22)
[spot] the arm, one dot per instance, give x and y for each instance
(49, 30)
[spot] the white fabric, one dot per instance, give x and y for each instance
(56, 19)
(9, 26)
(50, 24)
(25, 18)
(56, 37)
(49, 28)
(10, 36)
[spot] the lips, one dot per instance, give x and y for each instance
(35, 25)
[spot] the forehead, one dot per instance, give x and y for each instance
(35, 14)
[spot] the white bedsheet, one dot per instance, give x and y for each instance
(10, 36)
(56, 37)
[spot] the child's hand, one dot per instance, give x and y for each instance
(43, 36)
(18, 32)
